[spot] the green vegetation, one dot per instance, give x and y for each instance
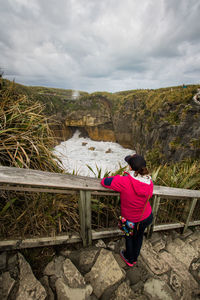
(27, 141)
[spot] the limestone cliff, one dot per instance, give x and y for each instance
(163, 124)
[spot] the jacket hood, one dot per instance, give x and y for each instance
(142, 185)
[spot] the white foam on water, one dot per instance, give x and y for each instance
(75, 155)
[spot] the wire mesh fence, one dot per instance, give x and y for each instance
(29, 214)
(172, 211)
(37, 214)
(196, 212)
(105, 210)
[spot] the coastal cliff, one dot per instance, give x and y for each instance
(162, 124)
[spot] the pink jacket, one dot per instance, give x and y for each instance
(134, 192)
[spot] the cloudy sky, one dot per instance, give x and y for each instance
(100, 45)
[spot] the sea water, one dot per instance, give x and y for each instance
(77, 153)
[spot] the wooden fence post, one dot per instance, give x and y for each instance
(192, 207)
(85, 217)
(156, 203)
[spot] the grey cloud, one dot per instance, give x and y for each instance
(98, 45)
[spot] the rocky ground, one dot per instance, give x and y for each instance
(168, 268)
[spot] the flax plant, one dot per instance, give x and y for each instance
(26, 141)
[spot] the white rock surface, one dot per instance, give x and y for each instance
(29, 287)
(105, 272)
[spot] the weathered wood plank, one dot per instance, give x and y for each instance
(82, 217)
(192, 207)
(11, 175)
(75, 238)
(35, 178)
(38, 242)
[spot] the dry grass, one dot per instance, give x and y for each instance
(26, 141)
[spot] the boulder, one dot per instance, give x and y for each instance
(6, 285)
(157, 289)
(29, 287)
(104, 273)
(86, 259)
(181, 281)
(55, 267)
(156, 263)
(123, 292)
(64, 292)
(65, 279)
(45, 282)
(183, 252)
(72, 276)
(2, 261)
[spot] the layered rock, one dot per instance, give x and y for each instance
(163, 123)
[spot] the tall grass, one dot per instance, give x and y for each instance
(26, 139)
(184, 174)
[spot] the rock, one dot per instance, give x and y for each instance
(195, 269)
(91, 148)
(72, 255)
(108, 151)
(65, 252)
(123, 292)
(84, 143)
(86, 259)
(2, 261)
(104, 273)
(186, 234)
(55, 267)
(156, 264)
(13, 266)
(64, 292)
(100, 244)
(111, 245)
(137, 274)
(6, 285)
(196, 245)
(157, 289)
(29, 287)
(160, 245)
(134, 276)
(119, 260)
(155, 238)
(45, 282)
(184, 252)
(181, 281)
(72, 276)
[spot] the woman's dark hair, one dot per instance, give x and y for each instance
(137, 163)
(142, 171)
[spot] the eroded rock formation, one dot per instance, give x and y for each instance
(163, 123)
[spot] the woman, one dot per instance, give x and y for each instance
(136, 188)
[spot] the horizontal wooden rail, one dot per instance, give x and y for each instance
(47, 181)
(39, 181)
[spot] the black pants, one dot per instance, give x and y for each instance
(134, 243)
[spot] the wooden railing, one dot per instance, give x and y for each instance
(15, 179)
